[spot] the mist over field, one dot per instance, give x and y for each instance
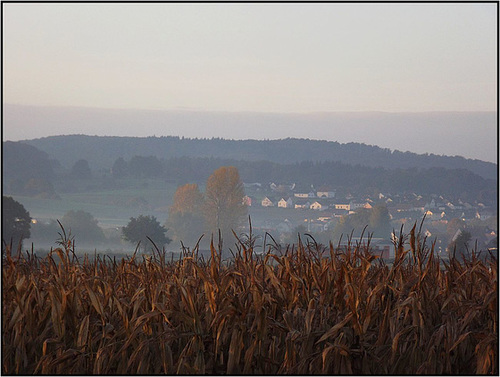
(468, 134)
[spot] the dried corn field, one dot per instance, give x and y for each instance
(307, 309)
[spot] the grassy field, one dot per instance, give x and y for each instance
(111, 207)
(300, 310)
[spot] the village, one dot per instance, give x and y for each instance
(318, 210)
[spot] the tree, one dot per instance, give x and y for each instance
(376, 219)
(357, 222)
(45, 233)
(16, 221)
(140, 228)
(185, 217)
(380, 221)
(23, 161)
(292, 237)
(120, 168)
(41, 188)
(81, 170)
(224, 208)
(83, 226)
(186, 227)
(145, 167)
(187, 199)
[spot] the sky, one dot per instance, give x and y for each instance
(252, 57)
(261, 58)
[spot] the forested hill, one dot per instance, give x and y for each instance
(30, 171)
(102, 151)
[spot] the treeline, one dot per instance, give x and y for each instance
(102, 151)
(454, 183)
(29, 171)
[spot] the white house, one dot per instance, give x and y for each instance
(347, 207)
(434, 215)
(310, 194)
(285, 203)
(325, 192)
(302, 204)
(266, 202)
(318, 206)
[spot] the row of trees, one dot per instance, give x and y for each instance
(453, 183)
(78, 224)
(221, 207)
(194, 213)
(17, 225)
(138, 167)
(102, 151)
(16, 221)
(29, 171)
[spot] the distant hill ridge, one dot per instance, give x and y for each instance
(102, 151)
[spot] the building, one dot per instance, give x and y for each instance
(304, 191)
(346, 207)
(281, 187)
(317, 205)
(302, 203)
(266, 202)
(285, 202)
(310, 194)
(325, 192)
(354, 206)
(247, 200)
(336, 213)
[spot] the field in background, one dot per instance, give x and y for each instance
(114, 206)
(111, 207)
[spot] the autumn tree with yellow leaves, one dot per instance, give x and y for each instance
(223, 206)
(185, 216)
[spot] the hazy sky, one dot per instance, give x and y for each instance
(252, 57)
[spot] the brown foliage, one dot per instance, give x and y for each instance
(187, 199)
(185, 218)
(224, 209)
(306, 309)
